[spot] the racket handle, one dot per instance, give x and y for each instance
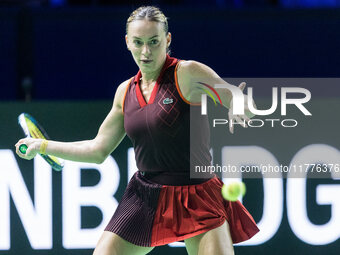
(23, 148)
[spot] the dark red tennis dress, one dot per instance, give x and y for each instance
(162, 204)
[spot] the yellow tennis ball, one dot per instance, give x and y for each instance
(233, 190)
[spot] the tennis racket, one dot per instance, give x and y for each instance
(33, 129)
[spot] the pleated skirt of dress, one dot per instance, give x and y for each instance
(151, 214)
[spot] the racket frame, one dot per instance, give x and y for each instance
(49, 159)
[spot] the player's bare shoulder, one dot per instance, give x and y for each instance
(189, 68)
(184, 76)
(120, 93)
(188, 74)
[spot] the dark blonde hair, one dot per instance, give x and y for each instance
(150, 13)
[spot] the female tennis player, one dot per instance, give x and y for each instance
(161, 203)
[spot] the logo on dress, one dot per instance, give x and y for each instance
(168, 101)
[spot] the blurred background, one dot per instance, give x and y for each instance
(75, 49)
(62, 60)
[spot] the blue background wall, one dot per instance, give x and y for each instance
(80, 53)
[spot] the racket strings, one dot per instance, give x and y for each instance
(34, 131)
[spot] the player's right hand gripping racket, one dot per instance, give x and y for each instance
(33, 129)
